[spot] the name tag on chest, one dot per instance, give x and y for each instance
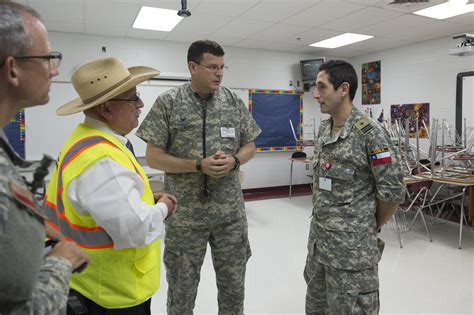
(325, 183)
(227, 132)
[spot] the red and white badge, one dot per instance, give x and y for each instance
(327, 165)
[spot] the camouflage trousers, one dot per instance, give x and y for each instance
(185, 248)
(340, 292)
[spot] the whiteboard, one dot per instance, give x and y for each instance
(46, 132)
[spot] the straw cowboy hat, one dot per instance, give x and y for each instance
(101, 80)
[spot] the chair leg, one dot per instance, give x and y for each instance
(426, 226)
(398, 230)
(462, 216)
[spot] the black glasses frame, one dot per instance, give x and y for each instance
(54, 55)
(136, 98)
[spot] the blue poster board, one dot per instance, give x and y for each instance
(273, 110)
(15, 131)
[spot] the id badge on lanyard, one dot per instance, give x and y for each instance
(324, 182)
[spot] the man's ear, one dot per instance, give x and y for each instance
(104, 111)
(344, 89)
(12, 70)
(192, 67)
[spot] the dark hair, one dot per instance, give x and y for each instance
(13, 34)
(200, 47)
(340, 71)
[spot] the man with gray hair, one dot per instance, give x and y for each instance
(30, 282)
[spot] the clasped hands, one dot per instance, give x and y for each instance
(217, 165)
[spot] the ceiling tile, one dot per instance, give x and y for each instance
(116, 14)
(225, 7)
(396, 27)
(225, 40)
(60, 11)
(411, 7)
(467, 19)
(360, 19)
(275, 10)
(201, 23)
(243, 28)
(279, 32)
(64, 26)
(315, 35)
(322, 13)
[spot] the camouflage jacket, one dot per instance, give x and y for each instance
(352, 170)
(29, 283)
(175, 124)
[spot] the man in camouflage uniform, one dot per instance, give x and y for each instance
(29, 282)
(199, 134)
(358, 185)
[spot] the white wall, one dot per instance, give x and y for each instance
(422, 72)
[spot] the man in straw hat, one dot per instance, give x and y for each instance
(30, 282)
(100, 197)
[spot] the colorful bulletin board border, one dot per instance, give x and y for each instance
(16, 132)
(272, 114)
(371, 85)
(412, 113)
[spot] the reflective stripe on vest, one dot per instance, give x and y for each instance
(88, 237)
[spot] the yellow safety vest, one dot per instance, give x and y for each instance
(114, 278)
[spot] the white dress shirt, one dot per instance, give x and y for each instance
(111, 194)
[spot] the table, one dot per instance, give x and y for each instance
(466, 182)
(304, 160)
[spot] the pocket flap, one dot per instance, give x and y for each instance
(341, 172)
(147, 263)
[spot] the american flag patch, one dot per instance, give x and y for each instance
(380, 156)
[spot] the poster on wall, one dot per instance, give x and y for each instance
(411, 113)
(371, 83)
(15, 132)
(273, 110)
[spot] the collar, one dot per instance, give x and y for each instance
(345, 130)
(197, 95)
(100, 125)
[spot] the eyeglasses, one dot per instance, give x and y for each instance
(135, 98)
(214, 68)
(54, 58)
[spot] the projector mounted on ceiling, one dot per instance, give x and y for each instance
(464, 48)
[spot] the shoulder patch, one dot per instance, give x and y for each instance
(364, 125)
(25, 198)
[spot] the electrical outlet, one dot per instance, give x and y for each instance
(290, 83)
(307, 167)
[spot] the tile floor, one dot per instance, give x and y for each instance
(421, 278)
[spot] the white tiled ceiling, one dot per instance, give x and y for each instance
(284, 25)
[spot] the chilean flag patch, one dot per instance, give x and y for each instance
(380, 156)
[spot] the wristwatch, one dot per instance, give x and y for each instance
(198, 165)
(237, 162)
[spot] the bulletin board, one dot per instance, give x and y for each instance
(412, 113)
(273, 110)
(371, 85)
(15, 132)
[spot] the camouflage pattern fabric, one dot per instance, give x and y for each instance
(29, 284)
(51, 292)
(185, 248)
(341, 292)
(342, 234)
(175, 124)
